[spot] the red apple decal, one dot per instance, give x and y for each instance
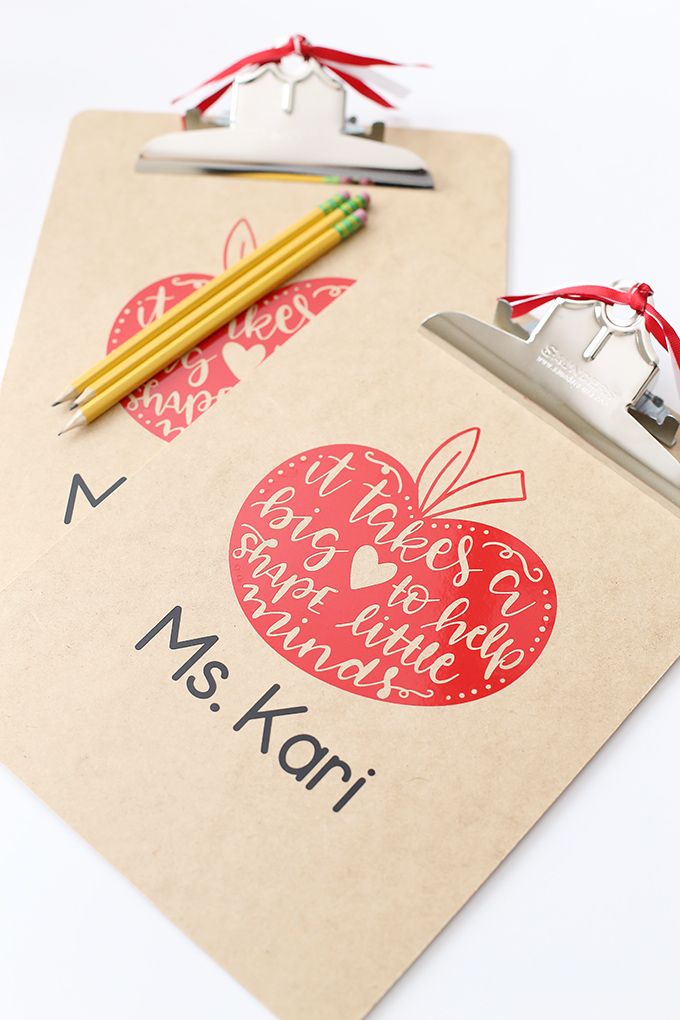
(182, 392)
(375, 583)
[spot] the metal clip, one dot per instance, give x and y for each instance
(590, 365)
(286, 123)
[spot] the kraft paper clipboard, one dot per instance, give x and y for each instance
(117, 245)
(151, 735)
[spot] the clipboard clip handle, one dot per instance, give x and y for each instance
(590, 357)
(289, 121)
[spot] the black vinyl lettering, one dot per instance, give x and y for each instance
(79, 483)
(173, 618)
(255, 713)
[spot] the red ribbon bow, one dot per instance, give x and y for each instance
(329, 58)
(636, 298)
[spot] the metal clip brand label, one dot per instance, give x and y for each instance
(573, 375)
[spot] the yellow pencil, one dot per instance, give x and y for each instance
(229, 309)
(200, 295)
(276, 175)
(197, 314)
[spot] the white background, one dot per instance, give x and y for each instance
(583, 919)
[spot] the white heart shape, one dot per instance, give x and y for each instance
(242, 360)
(367, 568)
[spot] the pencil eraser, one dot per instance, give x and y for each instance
(361, 215)
(365, 197)
(344, 194)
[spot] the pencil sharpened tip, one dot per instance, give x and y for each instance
(69, 395)
(75, 422)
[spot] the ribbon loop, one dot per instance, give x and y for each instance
(636, 298)
(332, 59)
